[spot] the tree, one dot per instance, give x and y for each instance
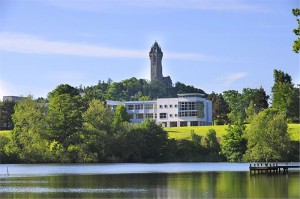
(239, 102)
(97, 126)
(154, 140)
(294, 107)
(6, 112)
(267, 137)
(260, 100)
(233, 145)
(236, 104)
(212, 145)
(64, 89)
(220, 108)
(296, 46)
(65, 115)
(250, 111)
(29, 132)
(283, 91)
(120, 115)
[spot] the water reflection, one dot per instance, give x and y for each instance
(213, 184)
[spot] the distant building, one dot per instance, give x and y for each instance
(186, 110)
(12, 98)
(156, 55)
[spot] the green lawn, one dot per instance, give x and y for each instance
(5, 133)
(185, 132)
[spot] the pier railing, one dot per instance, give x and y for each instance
(269, 168)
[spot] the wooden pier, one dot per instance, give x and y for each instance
(266, 168)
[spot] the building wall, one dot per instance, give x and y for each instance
(186, 110)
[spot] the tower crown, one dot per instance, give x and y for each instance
(155, 48)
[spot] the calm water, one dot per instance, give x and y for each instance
(171, 180)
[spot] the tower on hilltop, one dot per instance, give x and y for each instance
(156, 55)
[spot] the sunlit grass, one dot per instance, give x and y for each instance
(185, 132)
(5, 133)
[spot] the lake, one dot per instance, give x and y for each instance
(163, 180)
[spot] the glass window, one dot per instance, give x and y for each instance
(140, 116)
(130, 107)
(163, 115)
(148, 106)
(138, 106)
(149, 115)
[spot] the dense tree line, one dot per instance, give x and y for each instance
(71, 129)
(75, 125)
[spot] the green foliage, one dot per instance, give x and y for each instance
(213, 146)
(260, 100)
(220, 108)
(97, 117)
(4, 140)
(120, 115)
(233, 145)
(64, 89)
(267, 136)
(238, 102)
(29, 121)
(6, 112)
(250, 111)
(155, 139)
(65, 114)
(285, 96)
(135, 89)
(296, 46)
(97, 127)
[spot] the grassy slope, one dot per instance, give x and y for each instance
(185, 132)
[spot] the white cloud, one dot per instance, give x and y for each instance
(121, 5)
(229, 79)
(22, 43)
(32, 44)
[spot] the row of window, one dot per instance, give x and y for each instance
(167, 106)
(164, 115)
(185, 106)
(140, 106)
(188, 114)
(142, 116)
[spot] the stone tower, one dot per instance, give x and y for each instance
(156, 55)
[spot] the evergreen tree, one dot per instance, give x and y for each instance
(283, 91)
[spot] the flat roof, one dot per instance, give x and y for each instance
(189, 94)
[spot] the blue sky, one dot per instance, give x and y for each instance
(212, 44)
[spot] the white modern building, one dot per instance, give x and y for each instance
(187, 110)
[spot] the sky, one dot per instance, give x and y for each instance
(214, 45)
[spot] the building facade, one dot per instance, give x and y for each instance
(185, 110)
(156, 56)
